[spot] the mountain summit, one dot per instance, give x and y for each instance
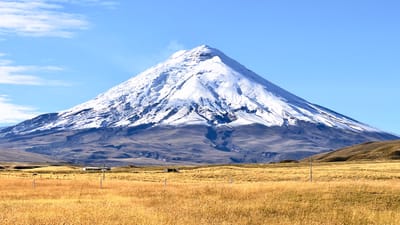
(201, 86)
(203, 95)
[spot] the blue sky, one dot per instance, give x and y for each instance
(344, 55)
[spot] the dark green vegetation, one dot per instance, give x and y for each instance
(386, 150)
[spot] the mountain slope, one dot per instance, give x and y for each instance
(386, 150)
(200, 86)
(185, 144)
(199, 106)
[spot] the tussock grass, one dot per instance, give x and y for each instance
(342, 193)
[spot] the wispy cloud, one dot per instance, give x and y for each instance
(172, 47)
(11, 113)
(39, 18)
(25, 75)
(102, 3)
(139, 62)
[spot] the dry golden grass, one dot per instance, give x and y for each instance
(341, 193)
(381, 150)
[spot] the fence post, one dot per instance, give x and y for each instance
(311, 170)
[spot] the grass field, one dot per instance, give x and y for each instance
(341, 193)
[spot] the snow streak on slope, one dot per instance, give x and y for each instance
(198, 86)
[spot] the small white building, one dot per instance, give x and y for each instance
(94, 168)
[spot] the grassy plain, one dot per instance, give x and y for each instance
(341, 193)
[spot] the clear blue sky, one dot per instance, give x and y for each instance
(344, 55)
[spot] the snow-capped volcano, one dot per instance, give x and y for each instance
(198, 86)
(199, 106)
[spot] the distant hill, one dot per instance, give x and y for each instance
(385, 150)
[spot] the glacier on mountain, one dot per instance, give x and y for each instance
(198, 86)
